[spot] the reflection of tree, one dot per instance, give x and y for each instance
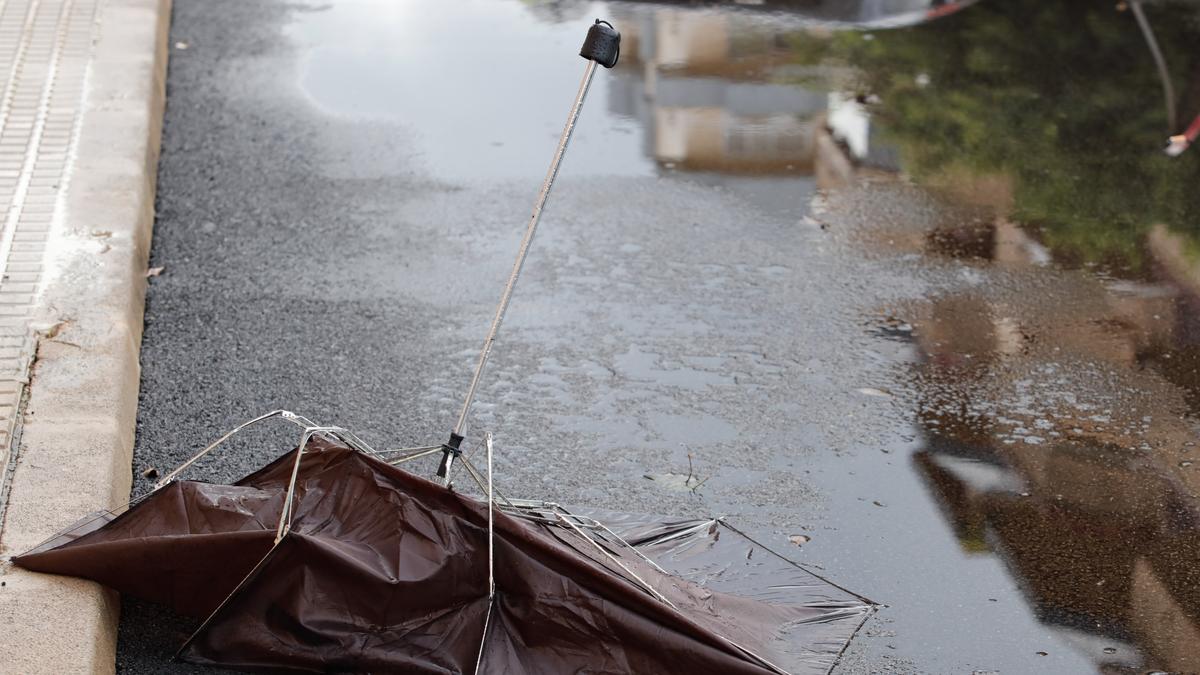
(1062, 98)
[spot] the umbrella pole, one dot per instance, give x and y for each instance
(602, 46)
(451, 449)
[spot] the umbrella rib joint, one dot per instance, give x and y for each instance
(282, 414)
(285, 517)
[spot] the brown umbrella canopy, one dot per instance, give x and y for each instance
(383, 571)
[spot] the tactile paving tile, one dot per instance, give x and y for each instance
(45, 46)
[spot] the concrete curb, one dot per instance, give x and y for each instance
(77, 428)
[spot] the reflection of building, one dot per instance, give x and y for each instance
(732, 93)
(719, 92)
(1099, 546)
(713, 94)
(1094, 511)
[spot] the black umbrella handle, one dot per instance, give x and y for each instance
(602, 46)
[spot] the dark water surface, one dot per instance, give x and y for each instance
(918, 283)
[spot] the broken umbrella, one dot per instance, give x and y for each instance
(334, 558)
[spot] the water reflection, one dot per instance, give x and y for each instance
(1101, 536)
(433, 70)
(1092, 506)
(1089, 499)
(707, 90)
(1067, 128)
(1100, 540)
(1042, 123)
(1062, 134)
(1056, 417)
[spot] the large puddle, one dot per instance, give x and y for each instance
(1052, 375)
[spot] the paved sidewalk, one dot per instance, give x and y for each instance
(81, 98)
(44, 50)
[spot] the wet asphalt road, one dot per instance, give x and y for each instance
(338, 209)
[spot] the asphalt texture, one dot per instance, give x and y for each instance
(334, 229)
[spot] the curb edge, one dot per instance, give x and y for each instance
(78, 425)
